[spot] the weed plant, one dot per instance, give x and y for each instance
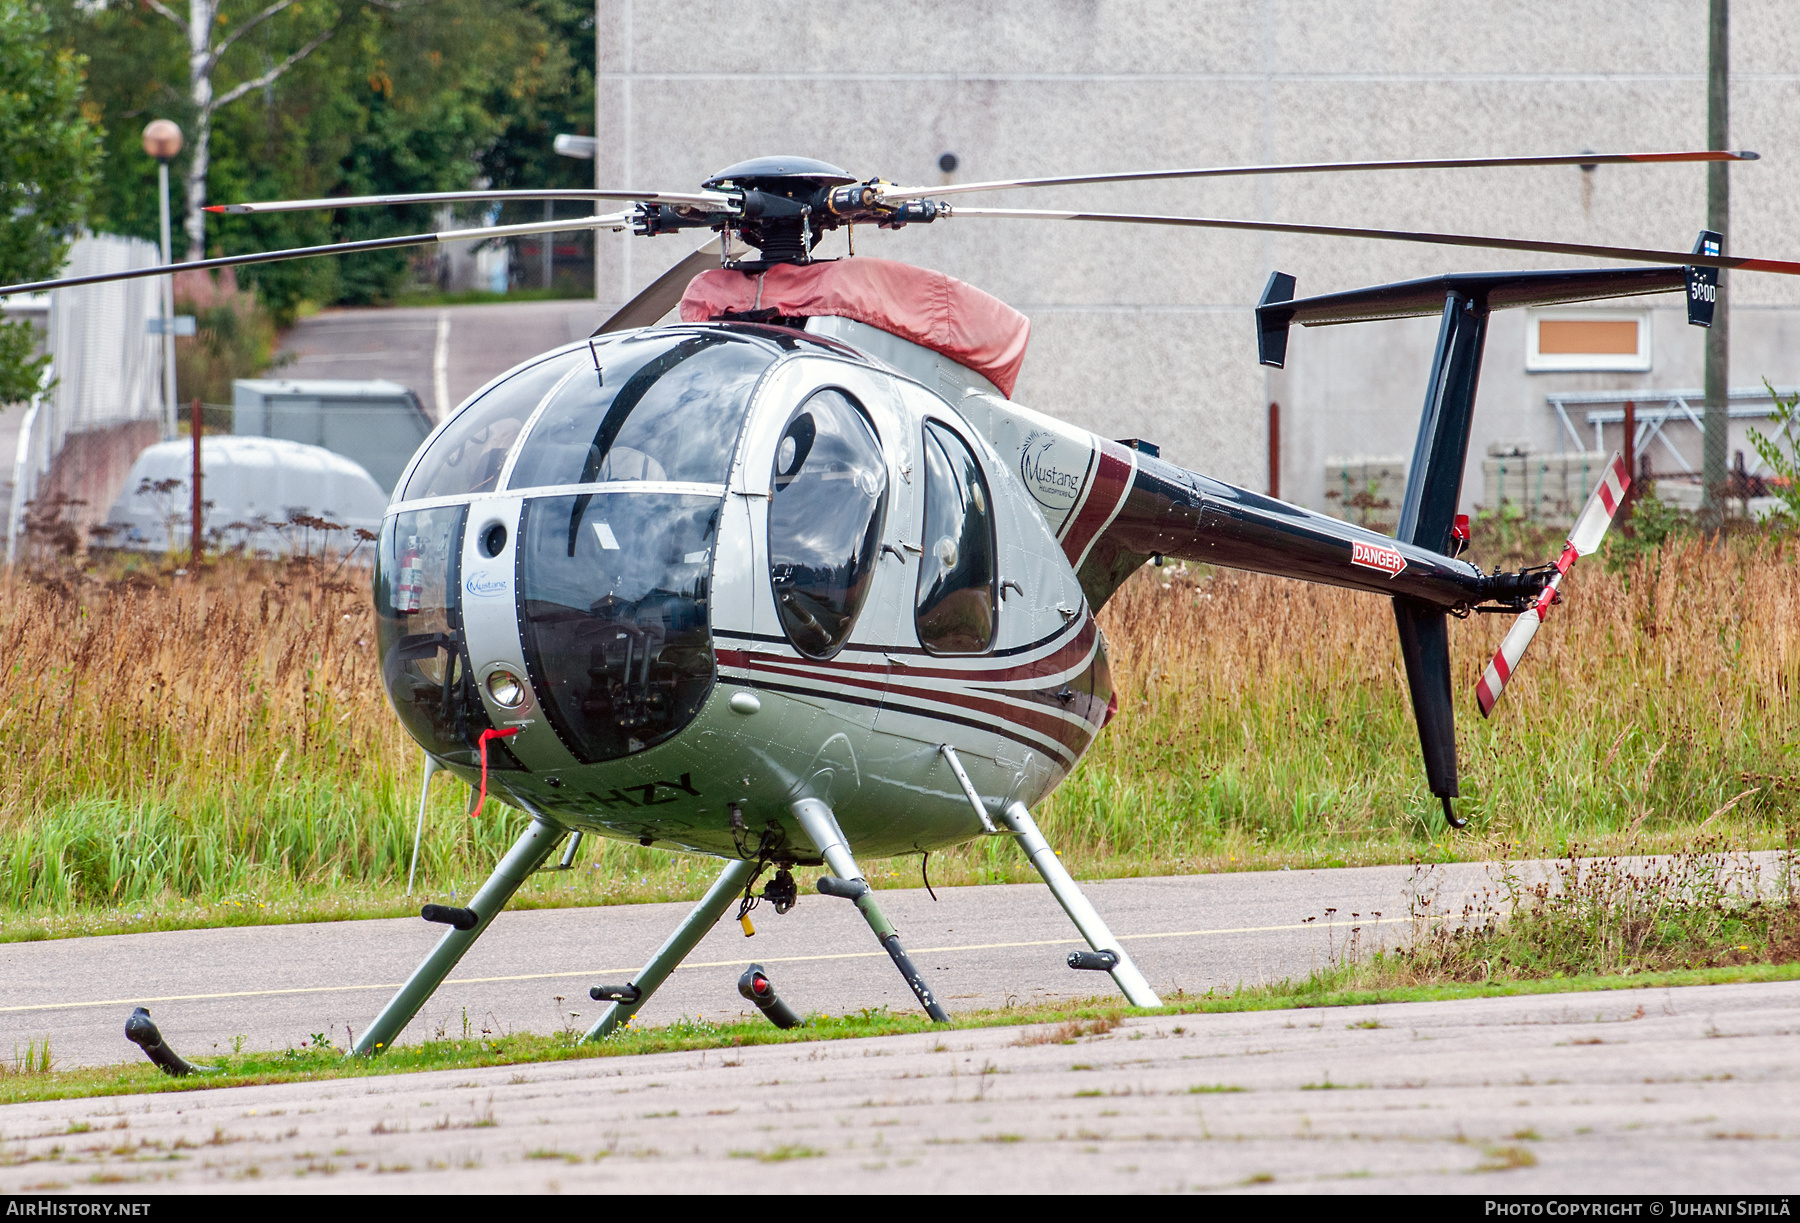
(215, 747)
(1605, 916)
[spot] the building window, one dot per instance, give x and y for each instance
(1587, 340)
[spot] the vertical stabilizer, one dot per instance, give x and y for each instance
(1427, 518)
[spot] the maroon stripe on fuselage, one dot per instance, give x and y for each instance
(892, 688)
(1006, 730)
(1071, 654)
(1044, 722)
(1112, 484)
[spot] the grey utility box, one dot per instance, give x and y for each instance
(378, 424)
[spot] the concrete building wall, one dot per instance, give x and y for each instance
(1147, 332)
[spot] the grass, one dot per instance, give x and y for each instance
(215, 748)
(321, 1060)
(1264, 722)
(1602, 918)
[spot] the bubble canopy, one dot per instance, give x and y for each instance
(614, 582)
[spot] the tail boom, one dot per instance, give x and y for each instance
(1165, 510)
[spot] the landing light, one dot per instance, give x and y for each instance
(506, 689)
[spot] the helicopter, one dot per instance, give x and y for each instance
(792, 581)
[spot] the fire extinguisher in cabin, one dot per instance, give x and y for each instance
(410, 589)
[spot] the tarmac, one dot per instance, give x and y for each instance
(1635, 1092)
(444, 353)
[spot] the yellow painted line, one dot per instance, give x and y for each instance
(604, 972)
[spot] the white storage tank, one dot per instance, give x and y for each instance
(256, 486)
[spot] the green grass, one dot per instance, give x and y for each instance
(321, 1060)
(1601, 916)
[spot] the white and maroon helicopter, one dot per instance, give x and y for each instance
(793, 581)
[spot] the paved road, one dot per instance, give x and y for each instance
(1633, 1092)
(473, 343)
(979, 946)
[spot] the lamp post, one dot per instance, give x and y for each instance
(162, 140)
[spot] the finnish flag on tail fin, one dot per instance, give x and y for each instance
(1703, 283)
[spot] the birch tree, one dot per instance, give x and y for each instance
(211, 35)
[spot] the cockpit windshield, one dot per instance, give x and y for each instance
(615, 615)
(660, 406)
(666, 408)
(468, 454)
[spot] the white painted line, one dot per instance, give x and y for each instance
(440, 366)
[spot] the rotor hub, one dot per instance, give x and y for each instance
(797, 178)
(781, 197)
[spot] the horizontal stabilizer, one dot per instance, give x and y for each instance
(1496, 290)
(1272, 326)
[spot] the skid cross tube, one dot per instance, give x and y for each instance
(675, 948)
(1124, 973)
(821, 826)
(526, 855)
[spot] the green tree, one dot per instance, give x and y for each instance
(405, 97)
(49, 160)
(550, 92)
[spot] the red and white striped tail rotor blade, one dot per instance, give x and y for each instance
(1602, 505)
(1590, 528)
(1506, 659)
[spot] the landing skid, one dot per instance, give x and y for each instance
(847, 881)
(628, 1001)
(1068, 894)
(822, 826)
(525, 856)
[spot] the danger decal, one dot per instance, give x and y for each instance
(1377, 556)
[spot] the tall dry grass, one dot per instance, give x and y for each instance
(181, 750)
(222, 742)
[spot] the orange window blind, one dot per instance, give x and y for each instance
(1583, 336)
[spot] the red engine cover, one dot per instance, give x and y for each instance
(929, 308)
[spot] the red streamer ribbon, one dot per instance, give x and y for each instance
(481, 746)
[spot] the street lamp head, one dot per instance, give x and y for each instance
(162, 139)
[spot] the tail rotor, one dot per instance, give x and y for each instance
(1590, 528)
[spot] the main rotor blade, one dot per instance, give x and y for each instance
(614, 221)
(900, 194)
(1632, 254)
(705, 201)
(664, 292)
